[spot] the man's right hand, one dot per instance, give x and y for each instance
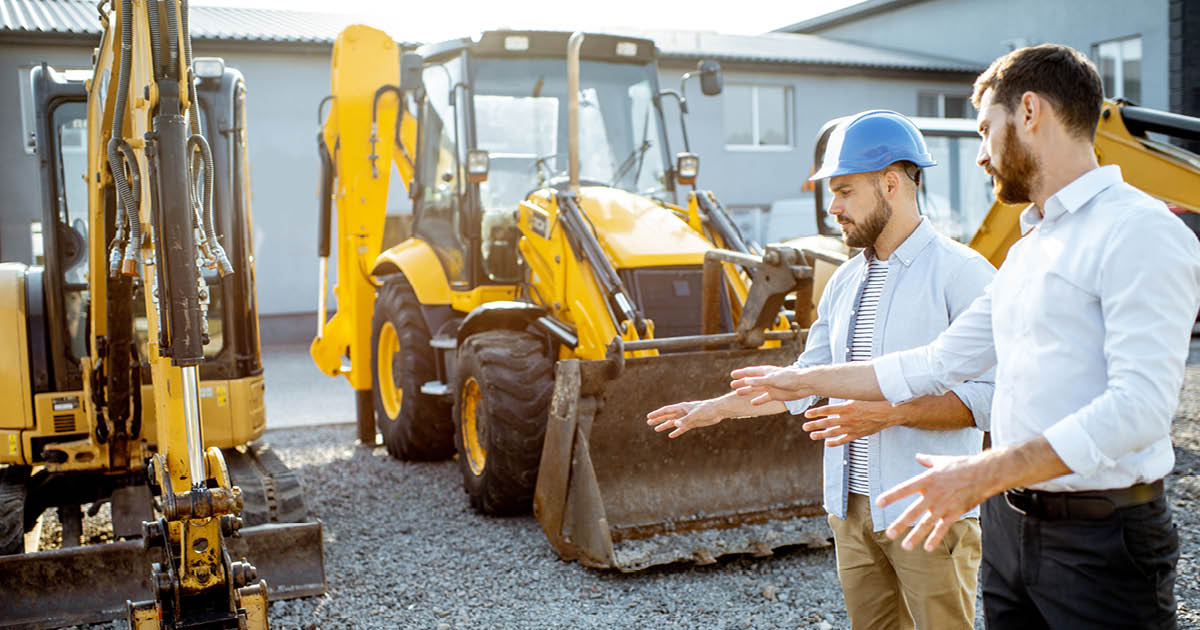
(684, 416)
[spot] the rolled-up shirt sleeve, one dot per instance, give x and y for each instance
(817, 349)
(965, 350)
(1149, 291)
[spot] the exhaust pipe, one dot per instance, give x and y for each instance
(573, 46)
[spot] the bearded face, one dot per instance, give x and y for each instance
(1015, 173)
(864, 232)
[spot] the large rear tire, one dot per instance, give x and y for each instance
(503, 387)
(13, 491)
(414, 426)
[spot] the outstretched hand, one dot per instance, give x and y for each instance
(683, 417)
(952, 486)
(845, 422)
(767, 382)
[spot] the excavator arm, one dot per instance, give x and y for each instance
(369, 133)
(146, 147)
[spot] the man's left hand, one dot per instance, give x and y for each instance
(845, 422)
(952, 486)
(765, 383)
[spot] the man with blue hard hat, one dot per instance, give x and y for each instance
(902, 290)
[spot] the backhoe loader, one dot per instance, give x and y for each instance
(957, 195)
(133, 356)
(554, 291)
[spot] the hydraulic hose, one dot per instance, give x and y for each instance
(125, 198)
(197, 142)
(155, 37)
(172, 40)
(130, 244)
(193, 104)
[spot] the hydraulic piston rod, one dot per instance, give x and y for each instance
(191, 419)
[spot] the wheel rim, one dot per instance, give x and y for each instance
(389, 349)
(475, 453)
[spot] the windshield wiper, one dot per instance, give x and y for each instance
(636, 154)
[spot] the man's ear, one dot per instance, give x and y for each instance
(892, 181)
(1030, 111)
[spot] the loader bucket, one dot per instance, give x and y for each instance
(612, 493)
(75, 585)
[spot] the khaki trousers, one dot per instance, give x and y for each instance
(889, 588)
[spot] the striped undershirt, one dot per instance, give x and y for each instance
(861, 350)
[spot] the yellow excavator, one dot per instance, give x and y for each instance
(561, 281)
(134, 376)
(957, 195)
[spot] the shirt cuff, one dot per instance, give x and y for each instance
(889, 373)
(1075, 447)
(800, 405)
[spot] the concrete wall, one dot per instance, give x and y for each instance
(282, 93)
(981, 30)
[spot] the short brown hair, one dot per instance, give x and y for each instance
(1060, 74)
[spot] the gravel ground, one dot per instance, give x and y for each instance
(403, 549)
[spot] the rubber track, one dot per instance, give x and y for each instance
(517, 379)
(12, 509)
(423, 430)
(271, 492)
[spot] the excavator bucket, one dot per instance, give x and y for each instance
(89, 584)
(612, 493)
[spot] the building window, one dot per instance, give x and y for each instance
(939, 105)
(1120, 65)
(757, 116)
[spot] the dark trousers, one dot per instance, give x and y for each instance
(1117, 572)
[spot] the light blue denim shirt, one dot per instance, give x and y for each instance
(931, 280)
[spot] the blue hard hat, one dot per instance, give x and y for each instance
(871, 140)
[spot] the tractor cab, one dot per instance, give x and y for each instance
(494, 130)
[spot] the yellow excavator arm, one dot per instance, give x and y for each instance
(146, 144)
(367, 133)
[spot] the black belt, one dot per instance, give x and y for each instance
(1090, 505)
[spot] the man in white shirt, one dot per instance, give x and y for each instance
(900, 292)
(1087, 324)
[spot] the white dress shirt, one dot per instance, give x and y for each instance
(1088, 323)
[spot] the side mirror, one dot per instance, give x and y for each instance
(687, 167)
(410, 70)
(711, 80)
(478, 164)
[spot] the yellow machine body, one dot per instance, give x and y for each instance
(565, 278)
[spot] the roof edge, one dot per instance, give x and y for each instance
(848, 14)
